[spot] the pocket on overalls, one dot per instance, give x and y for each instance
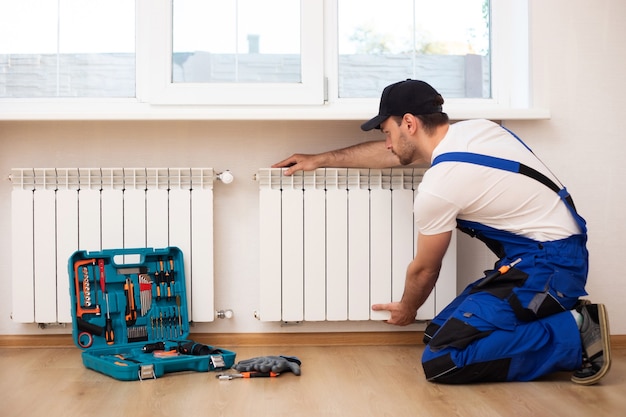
(477, 317)
(502, 286)
(568, 284)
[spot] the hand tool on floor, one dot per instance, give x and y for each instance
(500, 271)
(223, 377)
(109, 335)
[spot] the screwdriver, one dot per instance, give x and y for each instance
(170, 278)
(108, 329)
(247, 375)
(500, 271)
(159, 277)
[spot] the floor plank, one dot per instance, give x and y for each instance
(336, 381)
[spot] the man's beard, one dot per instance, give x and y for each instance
(406, 153)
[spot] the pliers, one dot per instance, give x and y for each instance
(247, 375)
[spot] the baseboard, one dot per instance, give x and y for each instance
(243, 339)
(262, 339)
(311, 339)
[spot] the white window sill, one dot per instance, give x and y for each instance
(120, 109)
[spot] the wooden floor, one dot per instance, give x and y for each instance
(341, 381)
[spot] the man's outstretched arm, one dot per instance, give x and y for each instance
(364, 155)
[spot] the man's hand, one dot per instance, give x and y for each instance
(400, 315)
(299, 162)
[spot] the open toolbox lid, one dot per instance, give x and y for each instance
(130, 314)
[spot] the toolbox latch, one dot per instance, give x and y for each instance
(217, 361)
(146, 371)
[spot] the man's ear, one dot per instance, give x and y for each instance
(412, 122)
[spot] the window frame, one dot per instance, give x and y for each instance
(161, 90)
(315, 99)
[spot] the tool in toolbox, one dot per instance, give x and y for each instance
(129, 292)
(128, 332)
(109, 334)
(87, 329)
(145, 291)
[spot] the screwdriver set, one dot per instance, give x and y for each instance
(124, 300)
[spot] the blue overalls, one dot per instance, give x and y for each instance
(517, 327)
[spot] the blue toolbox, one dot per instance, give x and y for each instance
(130, 316)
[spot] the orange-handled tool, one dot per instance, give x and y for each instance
(131, 310)
(247, 375)
(495, 274)
(109, 335)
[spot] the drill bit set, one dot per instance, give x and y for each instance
(119, 307)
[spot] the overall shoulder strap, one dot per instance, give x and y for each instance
(515, 167)
(503, 164)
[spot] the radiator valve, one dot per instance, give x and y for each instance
(226, 177)
(224, 314)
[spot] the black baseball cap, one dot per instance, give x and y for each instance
(409, 96)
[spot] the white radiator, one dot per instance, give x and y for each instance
(58, 211)
(335, 241)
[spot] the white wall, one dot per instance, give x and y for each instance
(578, 64)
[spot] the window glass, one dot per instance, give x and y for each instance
(67, 48)
(236, 41)
(443, 42)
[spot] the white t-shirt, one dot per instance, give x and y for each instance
(493, 197)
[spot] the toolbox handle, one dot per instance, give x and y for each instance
(129, 257)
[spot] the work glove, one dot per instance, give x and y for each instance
(275, 364)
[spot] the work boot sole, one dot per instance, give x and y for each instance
(594, 377)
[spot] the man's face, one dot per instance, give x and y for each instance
(397, 141)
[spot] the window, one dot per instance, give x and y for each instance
(236, 41)
(419, 39)
(236, 52)
(66, 48)
(323, 59)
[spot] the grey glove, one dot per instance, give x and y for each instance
(275, 364)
